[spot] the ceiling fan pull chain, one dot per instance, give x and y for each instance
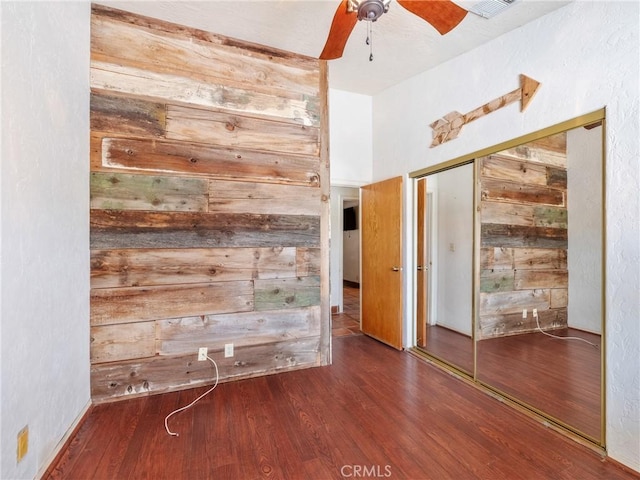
(370, 39)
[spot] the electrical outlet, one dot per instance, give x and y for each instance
(202, 354)
(524, 313)
(535, 312)
(228, 350)
(23, 443)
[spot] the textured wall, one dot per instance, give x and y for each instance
(45, 227)
(586, 55)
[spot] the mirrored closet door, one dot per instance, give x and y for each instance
(510, 260)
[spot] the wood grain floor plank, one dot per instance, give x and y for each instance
(375, 411)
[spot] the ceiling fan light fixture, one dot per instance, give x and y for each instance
(369, 10)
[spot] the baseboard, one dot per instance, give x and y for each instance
(64, 442)
(622, 466)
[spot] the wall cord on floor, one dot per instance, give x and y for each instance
(558, 336)
(166, 426)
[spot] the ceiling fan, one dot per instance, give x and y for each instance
(443, 15)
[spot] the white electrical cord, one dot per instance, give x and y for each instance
(559, 337)
(166, 426)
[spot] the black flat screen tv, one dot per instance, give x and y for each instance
(350, 219)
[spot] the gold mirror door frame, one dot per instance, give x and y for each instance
(521, 196)
(445, 241)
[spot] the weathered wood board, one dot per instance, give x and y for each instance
(222, 129)
(183, 336)
(209, 207)
(167, 48)
(525, 215)
(514, 324)
(159, 374)
(126, 305)
(140, 267)
(112, 343)
(308, 261)
(129, 229)
(189, 90)
(181, 158)
(497, 235)
(287, 293)
(514, 192)
(264, 198)
(514, 302)
(128, 115)
(540, 258)
(117, 191)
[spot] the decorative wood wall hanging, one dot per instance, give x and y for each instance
(448, 127)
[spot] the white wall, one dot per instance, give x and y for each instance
(350, 156)
(586, 55)
(454, 277)
(350, 138)
(584, 206)
(45, 227)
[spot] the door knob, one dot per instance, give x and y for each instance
(396, 269)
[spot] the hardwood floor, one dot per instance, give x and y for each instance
(375, 408)
(558, 377)
(450, 346)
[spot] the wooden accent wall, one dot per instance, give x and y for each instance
(523, 257)
(209, 207)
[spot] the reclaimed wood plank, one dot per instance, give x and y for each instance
(308, 261)
(127, 305)
(219, 162)
(165, 47)
(127, 115)
(112, 343)
(224, 129)
(559, 298)
(551, 150)
(540, 258)
(135, 378)
(499, 303)
(495, 258)
(531, 279)
(177, 89)
(519, 236)
(492, 326)
(501, 168)
(524, 215)
(262, 198)
(148, 267)
(497, 280)
(557, 177)
(181, 336)
(505, 191)
(297, 292)
(134, 229)
(118, 191)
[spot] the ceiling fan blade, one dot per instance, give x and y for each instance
(341, 28)
(444, 15)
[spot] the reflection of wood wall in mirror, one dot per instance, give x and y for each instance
(523, 257)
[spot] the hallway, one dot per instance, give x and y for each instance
(348, 322)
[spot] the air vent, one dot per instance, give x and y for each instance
(490, 8)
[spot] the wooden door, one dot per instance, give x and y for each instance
(381, 280)
(422, 265)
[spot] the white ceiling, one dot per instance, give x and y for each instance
(403, 44)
